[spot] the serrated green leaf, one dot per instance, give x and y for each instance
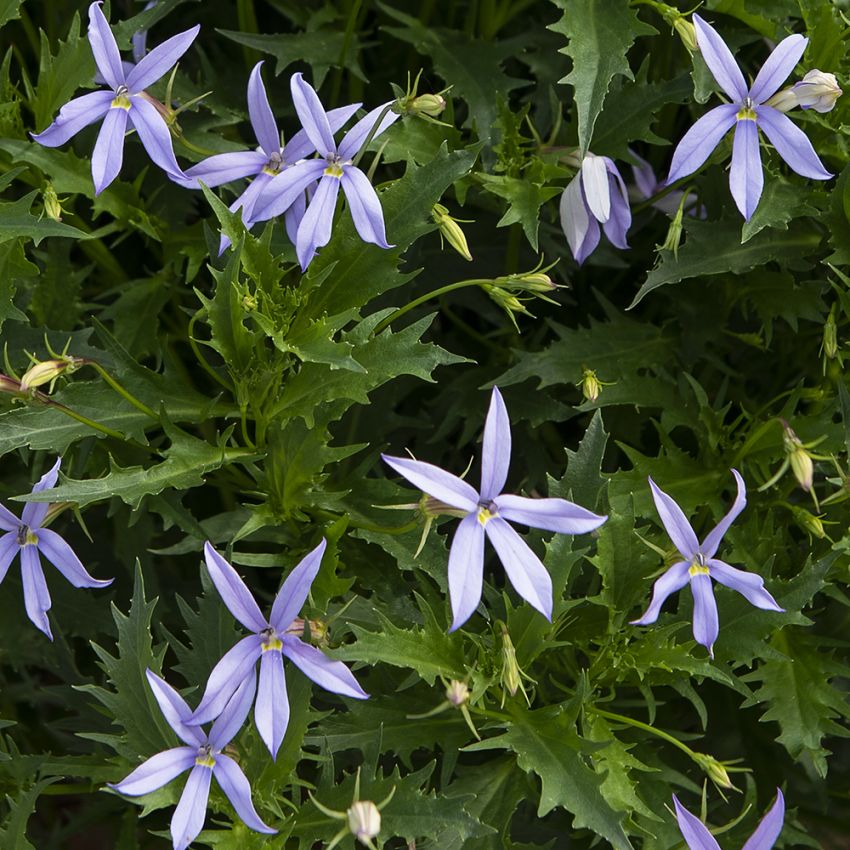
(524, 197)
(16, 221)
(780, 203)
(14, 831)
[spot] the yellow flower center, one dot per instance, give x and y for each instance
(698, 569)
(334, 170)
(121, 101)
(746, 113)
(205, 761)
(272, 642)
(484, 516)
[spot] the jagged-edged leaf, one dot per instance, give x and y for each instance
(16, 221)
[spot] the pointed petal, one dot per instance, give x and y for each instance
(9, 547)
(496, 448)
(466, 570)
(293, 216)
(712, 540)
(580, 228)
(315, 229)
(525, 570)
(312, 115)
(36, 595)
(594, 181)
(749, 585)
(364, 206)
(706, 626)
(157, 771)
(550, 514)
(237, 789)
(233, 591)
(746, 178)
(231, 671)
(645, 180)
(769, 827)
(232, 719)
(154, 135)
(108, 151)
(300, 146)
(675, 523)
(175, 710)
(74, 116)
(791, 143)
(694, 831)
(354, 139)
(160, 60)
(34, 513)
(293, 593)
(697, 144)
(224, 168)
(248, 199)
(260, 113)
(435, 482)
(285, 187)
(104, 48)
(332, 675)
(620, 219)
(62, 556)
(778, 66)
(720, 60)
(188, 818)
(8, 521)
(271, 713)
(670, 582)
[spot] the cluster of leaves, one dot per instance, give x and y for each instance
(247, 404)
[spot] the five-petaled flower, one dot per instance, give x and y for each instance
(596, 195)
(486, 513)
(126, 101)
(334, 167)
(265, 163)
(26, 535)
(699, 566)
(203, 757)
(746, 113)
(697, 836)
(270, 641)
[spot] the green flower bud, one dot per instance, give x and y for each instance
(450, 230)
(687, 33)
(801, 461)
(48, 371)
(52, 204)
(431, 105)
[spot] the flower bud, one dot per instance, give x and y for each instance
(431, 105)
(687, 33)
(48, 371)
(714, 769)
(801, 461)
(810, 523)
(829, 346)
(52, 206)
(536, 282)
(817, 90)
(450, 230)
(590, 385)
(9, 385)
(249, 302)
(364, 820)
(457, 693)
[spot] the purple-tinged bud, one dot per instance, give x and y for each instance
(9, 385)
(817, 90)
(364, 820)
(457, 693)
(47, 371)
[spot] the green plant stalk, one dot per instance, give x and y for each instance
(125, 394)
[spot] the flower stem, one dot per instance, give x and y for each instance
(139, 405)
(638, 724)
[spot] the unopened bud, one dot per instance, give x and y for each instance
(511, 680)
(829, 346)
(431, 105)
(249, 302)
(810, 523)
(534, 281)
(801, 461)
(9, 385)
(48, 371)
(590, 384)
(318, 629)
(457, 693)
(687, 33)
(674, 231)
(364, 820)
(714, 769)
(450, 230)
(52, 205)
(817, 90)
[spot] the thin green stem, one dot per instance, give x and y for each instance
(350, 25)
(86, 421)
(372, 131)
(139, 405)
(200, 357)
(638, 724)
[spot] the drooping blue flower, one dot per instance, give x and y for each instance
(270, 641)
(334, 167)
(699, 566)
(203, 757)
(486, 513)
(125, 103)
(697, 836)
(747, 113)
(26, 535)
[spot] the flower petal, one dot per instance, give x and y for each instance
(645, 180)
(293, 216)
(696, 145)
(293, 593)
(34, 513)
(104, 48)
(237, 789)
(8, 521)
(791, 143)
(549, 514)
(108, 151)
(777, 67)
(712, 540)
(285, 187)
(749, 585)
(496, 448)
(62, 556)
(746, 178)
(312, 115)
(435, 482)
(580, 228)
(706, 626)
(466, 569)
(233, 591)
(188, 818)
(154, 135)
(594, 182)
(157, 771)
(364, 206)
(620, 219)
(670, 582)
(9, 547)
(231, 671)
(271, 713)
(224, 168)
(260, 113)
(720, 60)
(246, 202)
(354, 139)
(74, 116)
(769, 827)
(175, 711)
(232, 719)
(36, 594)
(300, 145)
(332, 675)
(694, 831)
(524, 569)
(160, 60)
(675, 523)
(315, 229)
